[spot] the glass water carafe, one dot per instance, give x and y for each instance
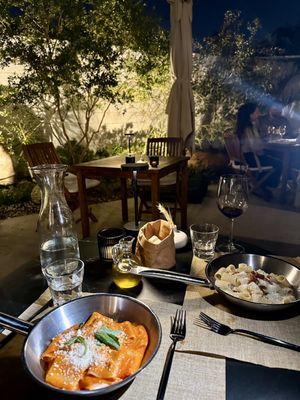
(123, 261)
(58, 239)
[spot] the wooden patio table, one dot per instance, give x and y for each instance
(286, 148)
(110, 167)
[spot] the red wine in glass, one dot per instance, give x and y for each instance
(231, 212)
(232, 202)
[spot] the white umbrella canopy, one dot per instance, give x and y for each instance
(180, 107)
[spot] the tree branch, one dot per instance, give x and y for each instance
(101, 121)
(62, 121)
(77, 120)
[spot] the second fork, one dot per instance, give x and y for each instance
(177, 333)
(225, 330)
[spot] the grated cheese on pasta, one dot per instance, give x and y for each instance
(77, 359)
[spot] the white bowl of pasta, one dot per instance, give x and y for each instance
(90, 346)
(256, 282)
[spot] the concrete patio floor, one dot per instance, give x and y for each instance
(277, 228)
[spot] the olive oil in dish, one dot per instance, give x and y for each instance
(123, 261)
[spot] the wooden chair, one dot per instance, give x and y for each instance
(166, 146)
(45, 153)
(257, 174)
(163, 147)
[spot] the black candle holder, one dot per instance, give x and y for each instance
(130, 159)
(107, 238)
(154, 161)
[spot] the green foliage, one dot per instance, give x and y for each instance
(113, 142)
(76, 53)
(101, 153)
(16, 193)
(226, 75)
(116, 141)
(72, 152)
(74, 45)
(19, 125)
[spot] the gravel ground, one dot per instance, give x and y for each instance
(106, 191)
(29, 207)
(16, 210)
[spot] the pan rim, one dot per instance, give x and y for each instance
(247, 302)
(109, 388)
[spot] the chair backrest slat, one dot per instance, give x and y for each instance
(233, 147)
(40, 153)
(234, 151)
(166, 146)
(45, 153)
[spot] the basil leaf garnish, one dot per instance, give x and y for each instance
(108, 336)
(78, 339)
(109, 331)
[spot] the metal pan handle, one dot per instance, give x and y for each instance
(15, 324)
(173, 276)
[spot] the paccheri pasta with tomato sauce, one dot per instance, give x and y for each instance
(95, 354)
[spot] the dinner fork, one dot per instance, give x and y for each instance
(225, 330)
(177, 333)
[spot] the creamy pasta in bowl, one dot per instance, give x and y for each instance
(246, 283)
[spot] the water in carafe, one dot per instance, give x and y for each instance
(58, 248)
(58, 240)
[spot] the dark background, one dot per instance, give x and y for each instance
(208, 14)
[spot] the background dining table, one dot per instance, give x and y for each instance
(243, 380)
(287, 149)
(110, 167)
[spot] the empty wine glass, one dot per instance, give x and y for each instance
(271, 130)
(232, 202)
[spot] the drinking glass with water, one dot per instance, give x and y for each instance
(64, 278)
(204, 238)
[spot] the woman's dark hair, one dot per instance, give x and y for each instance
(243, 118)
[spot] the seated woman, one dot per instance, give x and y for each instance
(252, 145)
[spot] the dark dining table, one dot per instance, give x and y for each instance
(20, 289)
(110, 167)
(286, 148)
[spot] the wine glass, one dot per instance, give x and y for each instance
(232, 202)
(282, 130)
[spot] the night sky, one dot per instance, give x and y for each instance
(208, 14)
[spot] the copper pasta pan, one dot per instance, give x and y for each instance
(267, 263)
(118, 307)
